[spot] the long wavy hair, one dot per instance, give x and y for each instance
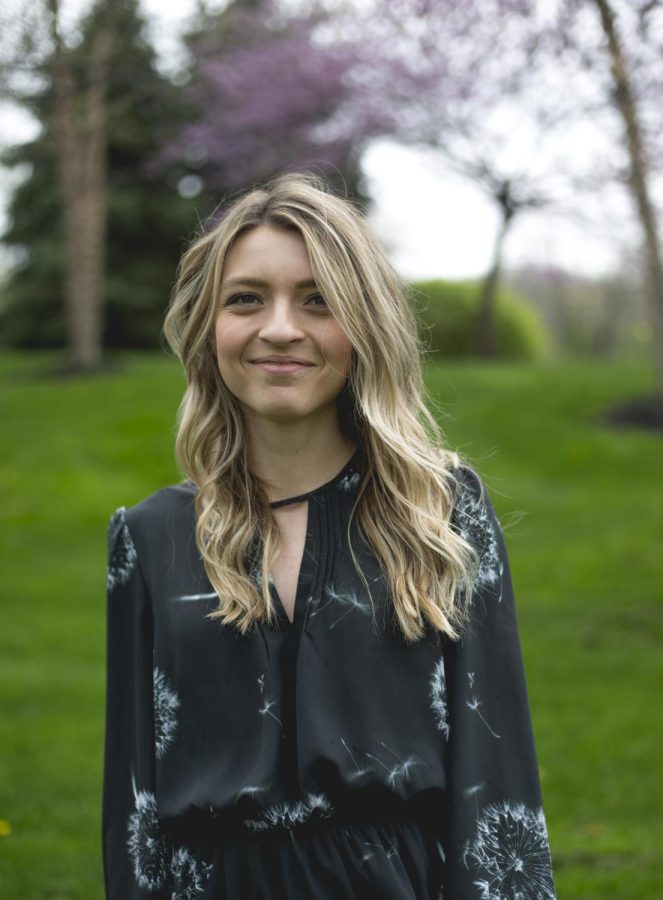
(407, 491)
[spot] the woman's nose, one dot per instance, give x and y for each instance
(281, 322)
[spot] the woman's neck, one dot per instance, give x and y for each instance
(289, 464)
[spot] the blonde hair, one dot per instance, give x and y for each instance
(407, 494)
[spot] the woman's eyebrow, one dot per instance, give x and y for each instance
(260, 282)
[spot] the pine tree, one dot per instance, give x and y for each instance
(148, 221)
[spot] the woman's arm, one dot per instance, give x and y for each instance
(136, 856)
(496, 845)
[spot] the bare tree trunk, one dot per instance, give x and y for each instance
(486, 319)
(81, 138)
(638, 180)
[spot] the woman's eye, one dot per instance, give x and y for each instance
(238, 298)
(248, 299)
(320, 298)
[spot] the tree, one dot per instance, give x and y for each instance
(80, 130)
(147, 219)
(448, 73)
(625, 101)
(455, 79)
(268, 89)
(78, 127)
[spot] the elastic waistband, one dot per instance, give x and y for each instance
(307, 815)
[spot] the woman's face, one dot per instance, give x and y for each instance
(270, 307)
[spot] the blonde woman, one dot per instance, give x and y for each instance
(315, 687)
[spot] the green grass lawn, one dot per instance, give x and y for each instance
(582, 510)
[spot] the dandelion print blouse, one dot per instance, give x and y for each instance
(320, 759)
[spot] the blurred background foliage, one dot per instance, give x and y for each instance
(148, 219)
(268, 85)
(448, 310)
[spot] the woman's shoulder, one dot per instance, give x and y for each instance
(164, 507)
(466, 481)
(472, 513)
(470, 490)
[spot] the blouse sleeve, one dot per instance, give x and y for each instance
(496, 843)
(135, 853)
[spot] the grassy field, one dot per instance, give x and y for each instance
(582, 510)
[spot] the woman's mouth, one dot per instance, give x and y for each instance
(282, 368)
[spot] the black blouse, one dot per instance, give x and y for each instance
(324, 758)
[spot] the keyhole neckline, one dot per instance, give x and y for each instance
(348, 469)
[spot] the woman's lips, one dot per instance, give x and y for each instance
(288, 368)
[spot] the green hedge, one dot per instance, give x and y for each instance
(447, 312)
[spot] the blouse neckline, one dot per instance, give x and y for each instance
(350, 466)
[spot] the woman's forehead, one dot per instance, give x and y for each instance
(268, 252)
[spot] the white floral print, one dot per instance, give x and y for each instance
(474, 703)
(166, 703)
(147, 846)
(209, 596)
(189, 874)
(390, 851)
(268, 702)
(252, 790)
(474, 524)
(123, 557)
(398, 768)
(509, 854)
(399, 771)
(443, 859)
(349, 482)
(438, 697)
(348, 601)
(156, 865)
(288, 814)
(473, 791)
(359, 771)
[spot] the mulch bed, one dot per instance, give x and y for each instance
(639, 412)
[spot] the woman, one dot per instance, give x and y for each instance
(354, 725)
